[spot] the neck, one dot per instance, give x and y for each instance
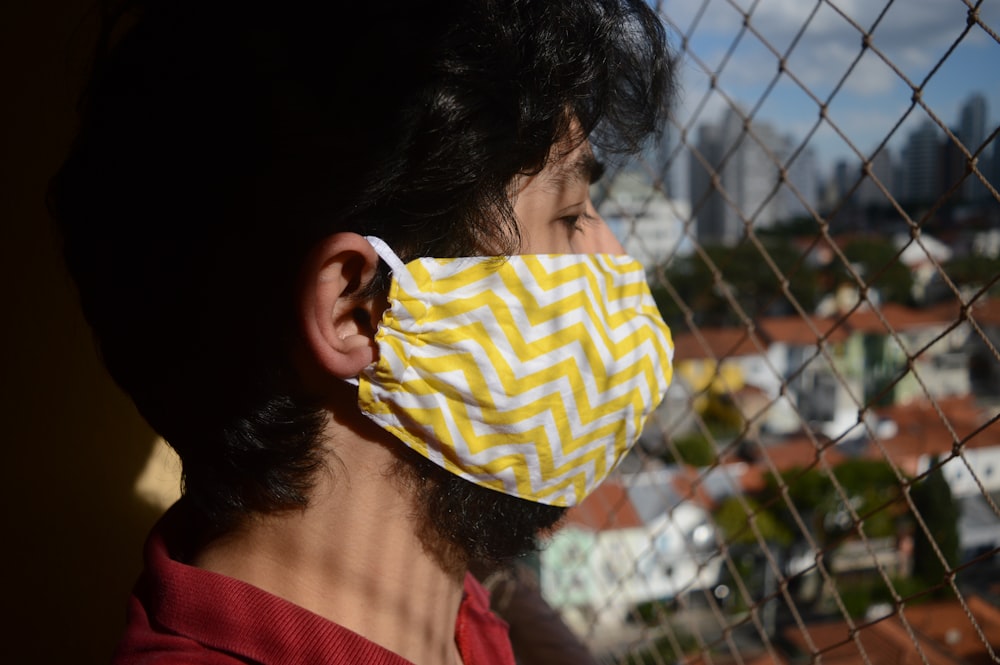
(352, 556)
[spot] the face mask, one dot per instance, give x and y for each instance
(531, 375)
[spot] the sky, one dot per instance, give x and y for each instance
(914, 35)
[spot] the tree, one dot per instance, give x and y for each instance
(870, 486)
(707, 283)
(932, 499)
(693, 449)
(880, 268)
(974, 271)
(733, 520)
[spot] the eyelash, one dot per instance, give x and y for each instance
(573, 221)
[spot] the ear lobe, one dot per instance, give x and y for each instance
(338, 325)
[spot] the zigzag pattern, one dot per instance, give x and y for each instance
(531, 376)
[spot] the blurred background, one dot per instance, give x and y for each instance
(822, 227)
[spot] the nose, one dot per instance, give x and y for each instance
(597, 238)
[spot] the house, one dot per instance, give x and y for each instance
(906, 353)
(923, 431)
(939, 633)
(984, 366)
(928, 429)
(818, 372)
(633, 540)
(737, 364)
(923, 257)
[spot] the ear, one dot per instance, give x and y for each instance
(339, 327)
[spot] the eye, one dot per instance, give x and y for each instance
(573, 222)
(578, 221)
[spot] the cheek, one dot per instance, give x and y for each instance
(549, 239)
(539, 234)
(596, 238)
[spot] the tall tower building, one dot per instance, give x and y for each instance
(972, 134)
(747, 166)
(841, 175)
(972, 122)
(869, 193)
(994, 170)
(707, 204)
(920, 164)
(803, 175)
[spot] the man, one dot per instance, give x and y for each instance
(261, 197)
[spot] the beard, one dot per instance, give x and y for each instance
(463, 524)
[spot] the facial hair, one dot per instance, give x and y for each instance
(461, 523)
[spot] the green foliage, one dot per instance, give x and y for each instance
(974, 271)
(723, 418)
(875, 483)
(694, 449)
(734, 522)
(859, 594)
(857, 598)
(669, 309)
(651, 612)
(744, 273)
(933, 500)
(880, 268)
(807, 489)
(870, 484)
(792, 228)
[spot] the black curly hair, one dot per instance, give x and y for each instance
(221, 139)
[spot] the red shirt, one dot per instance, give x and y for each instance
(182, 615)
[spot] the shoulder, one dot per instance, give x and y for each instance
(481, 635)
(144, 643)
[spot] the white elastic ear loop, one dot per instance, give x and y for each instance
(395, 263)
(386, 254)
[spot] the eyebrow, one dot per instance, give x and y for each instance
(585, 168)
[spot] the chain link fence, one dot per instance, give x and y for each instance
(823, 224)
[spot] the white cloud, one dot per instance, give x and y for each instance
(912, 34)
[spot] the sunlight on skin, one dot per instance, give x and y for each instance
(159, 482)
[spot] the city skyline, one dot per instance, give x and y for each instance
(913, 34)
(732, 175)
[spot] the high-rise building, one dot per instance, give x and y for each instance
(869, 192)
(746, 188)
(951, 169)
(994, 170)
(920, 164)
(803, 176)
(840, 177)
(707, 204)
(972, 134)
(972, 122)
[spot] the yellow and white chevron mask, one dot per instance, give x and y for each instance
(531, 375)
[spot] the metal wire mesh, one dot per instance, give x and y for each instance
(822, 223)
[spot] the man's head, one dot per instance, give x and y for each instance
(223, 140)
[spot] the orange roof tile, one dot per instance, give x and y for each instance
(717, 343)
(800, 451)
(801, 332)
(881, 320)
(947, 624)
(885, 642)
(900, 317)
(922, 431)
(986, 311)
(763, 658)
(607, 508)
